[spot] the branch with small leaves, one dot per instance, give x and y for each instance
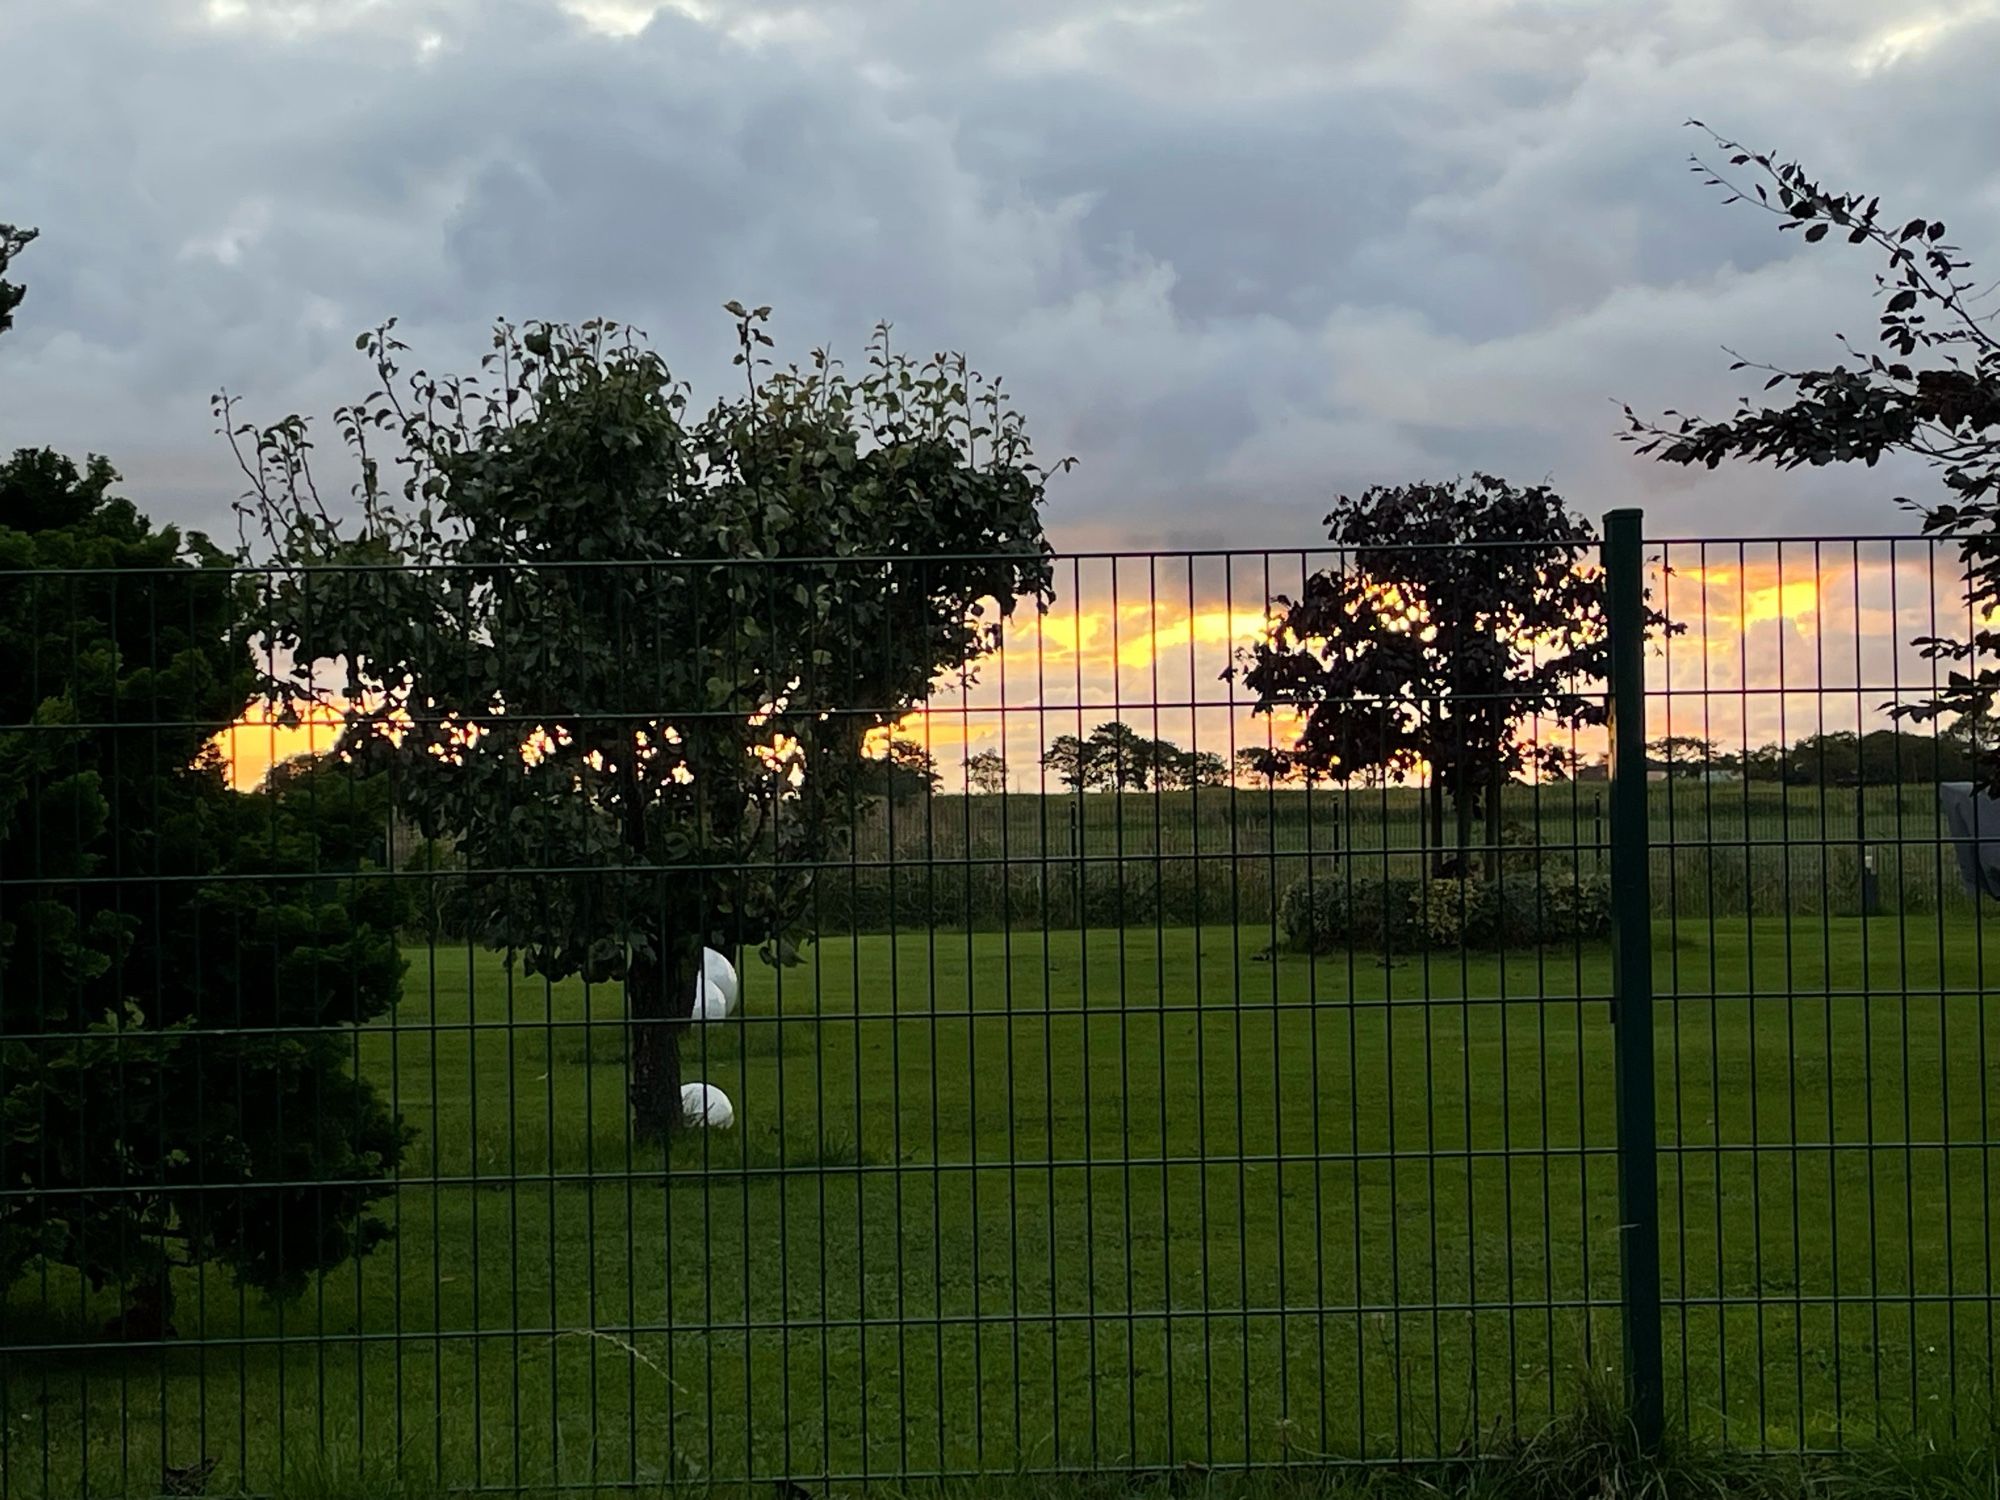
(13, 241)
(1946, 413)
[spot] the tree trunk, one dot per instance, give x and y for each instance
(658, 1003)
(1493, 792)
(1463, 801)
(659, 991)
(148, 1313)
(1437, 825)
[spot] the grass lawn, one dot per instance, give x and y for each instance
(1109, 1198)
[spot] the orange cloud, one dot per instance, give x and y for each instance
(1750, 594)
(1153, 638)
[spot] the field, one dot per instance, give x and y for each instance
(1111, 1197)
(1734, 850)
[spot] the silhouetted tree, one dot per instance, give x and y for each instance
(1204, 768)
(1074, 762)
(1461, 612)
(903, 770)
(986, 771)
(1127, 756)
(1259, 766)
(160, 929)
(1684, 754)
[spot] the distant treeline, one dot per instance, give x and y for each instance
(1115, 757)
(1882, 757)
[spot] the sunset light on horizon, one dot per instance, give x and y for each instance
(1109, 648)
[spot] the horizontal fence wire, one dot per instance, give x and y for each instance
(1126, 1098)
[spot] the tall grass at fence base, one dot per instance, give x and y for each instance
(1591, 1454)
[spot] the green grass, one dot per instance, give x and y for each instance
(1110, 1198)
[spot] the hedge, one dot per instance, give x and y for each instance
(1409, 914)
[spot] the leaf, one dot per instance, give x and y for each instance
(1816, 232)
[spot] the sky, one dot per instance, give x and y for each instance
(1236, 258)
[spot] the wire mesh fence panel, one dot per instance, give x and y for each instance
(1826, 1111)
(1105, 1089)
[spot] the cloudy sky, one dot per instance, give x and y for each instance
(1236, 257)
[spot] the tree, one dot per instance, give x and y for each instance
(160, 929)
(1973, 732)
(904, 770)
(1832, 759)
(986, 771)
(1560, 762)
(1764, 763)
(1946, 412)
(1175, 769)
(1881, 757)
(1464, 611)
(1074, 763)
(1204, 768)
(1166, 765)
(1127, 756)
(1684, 755)
(627, 657)
(1259, 766)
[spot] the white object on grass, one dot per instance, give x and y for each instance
(710, 1003)
(705, 1104)
(718, 979)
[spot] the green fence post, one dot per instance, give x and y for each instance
(1632, 978)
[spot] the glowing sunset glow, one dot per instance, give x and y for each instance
(934, 730)
(1756, 593)
(257, 741)
(1147, 641)
(1157, 664)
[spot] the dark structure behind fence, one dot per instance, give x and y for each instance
(1119, 1127)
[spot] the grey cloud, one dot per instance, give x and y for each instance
(1234, 257)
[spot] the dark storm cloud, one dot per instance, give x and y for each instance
(1235, 257)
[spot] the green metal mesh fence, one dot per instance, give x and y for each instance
(1123, 1109)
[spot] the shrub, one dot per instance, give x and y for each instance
(1458, 913)
(1327, 912)
(1407, 914)
(1577, 906)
